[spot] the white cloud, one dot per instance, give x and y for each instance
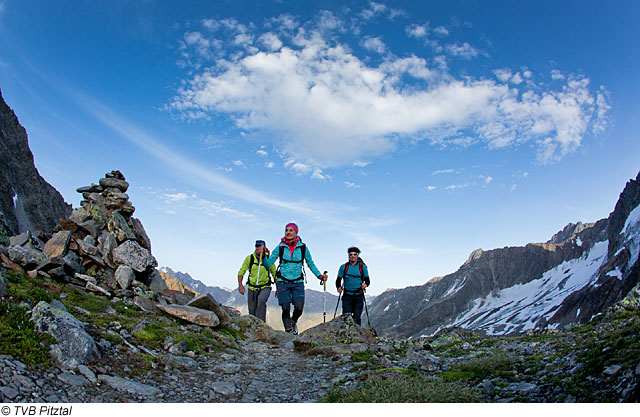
(417, 31)
(351, 184)
(261, 152)
(557, 75)
(429, 188)
(360, 164)
(486, 179)
(374, 44)
(441, 31)
(463, 50)
(443, 171)
(318, 175)
(271, 41)
(376, 9)
(513, 187)
(454, 187)
(327, 107)
(176, 197)
(238, 163)
(269, 164)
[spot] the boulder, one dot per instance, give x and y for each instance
(129, 386)
(156, 283)
(124, 276)
(341, 330)
(58, 245)
(26, 240)
(207, 302)
(121, 185)
(255, 329)
(191, 314)
(91, 227)
(145, 304)
(140, 233)
(75, 346)
(117, 225)
(73, 262)
(26, 257)
(93, 188)
(97, 211)
(180, 362)
(130, 253)
(106, 245)
(20, 240)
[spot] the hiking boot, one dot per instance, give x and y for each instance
(294, 330)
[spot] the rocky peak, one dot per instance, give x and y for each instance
(27, 201)
(569, 231)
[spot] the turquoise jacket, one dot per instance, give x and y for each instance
(353, 280)
(291, 271)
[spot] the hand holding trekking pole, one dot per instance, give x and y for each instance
(324, 305)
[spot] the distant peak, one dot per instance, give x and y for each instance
(476, 254)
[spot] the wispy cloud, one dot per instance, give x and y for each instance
(174, 202)
(351, 184)
(329, 216)
(328, 107)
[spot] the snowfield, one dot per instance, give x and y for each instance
(519, 308)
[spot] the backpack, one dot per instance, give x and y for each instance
(266, 284)
(360, 266)
(303, 250)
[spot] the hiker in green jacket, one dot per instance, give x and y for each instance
(259, 287)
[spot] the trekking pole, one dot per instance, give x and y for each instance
(324, 303)
(336, 312)
(365, 307)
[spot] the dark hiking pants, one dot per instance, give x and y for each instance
(353, 303)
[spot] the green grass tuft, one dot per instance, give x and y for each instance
(19, 339)
(408, 387)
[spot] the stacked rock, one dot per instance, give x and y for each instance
(100, 246)
(104, 249)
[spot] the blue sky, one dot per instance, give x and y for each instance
(418, 131)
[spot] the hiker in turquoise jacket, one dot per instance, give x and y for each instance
(259, 286)
(353, 279)
(290, 275)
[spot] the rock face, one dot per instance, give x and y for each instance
(27, 201)
(581, 271)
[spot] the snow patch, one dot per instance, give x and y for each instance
(456, 287)
(387, 307)
(579, 242)
(15, 201)
(631, 232)
(520, 307)
(615, 273)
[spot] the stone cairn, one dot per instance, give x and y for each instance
(102, 248)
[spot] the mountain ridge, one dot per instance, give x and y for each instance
(471, 296)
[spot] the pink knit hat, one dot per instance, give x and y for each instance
(295, 226)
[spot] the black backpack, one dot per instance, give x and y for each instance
(251, 263)
(303, 249)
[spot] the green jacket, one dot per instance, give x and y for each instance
(253, 274)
